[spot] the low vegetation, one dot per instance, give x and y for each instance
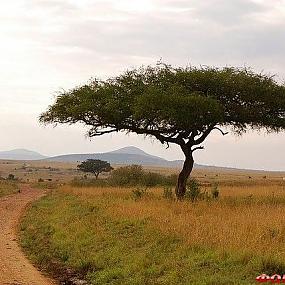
(113, 236)
(8, 187)
(128, 176)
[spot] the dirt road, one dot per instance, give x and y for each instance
(15, 269)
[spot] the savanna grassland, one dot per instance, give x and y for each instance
(8, 188)
(111, 235)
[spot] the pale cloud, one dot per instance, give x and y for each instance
(51, 44)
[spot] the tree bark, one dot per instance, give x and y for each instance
(184, 175)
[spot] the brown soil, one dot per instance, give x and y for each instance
(15, 268)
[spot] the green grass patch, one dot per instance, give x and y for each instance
(73, 233)
(8, 188)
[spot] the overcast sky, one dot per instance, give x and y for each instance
(47, 45)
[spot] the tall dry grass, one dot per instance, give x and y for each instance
(248, 219)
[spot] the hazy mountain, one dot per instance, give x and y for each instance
(130, 150)
(21, 154)
(126, 155)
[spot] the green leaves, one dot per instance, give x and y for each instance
(95, 166)
(176, 111)
(168, 103)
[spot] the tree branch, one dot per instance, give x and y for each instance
(222, 132)
(197, 148)
(163, 139)
(203, 136)
(100, 133)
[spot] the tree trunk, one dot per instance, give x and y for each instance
(183, 176)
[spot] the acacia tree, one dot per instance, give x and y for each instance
(175, 105)
(95, 166)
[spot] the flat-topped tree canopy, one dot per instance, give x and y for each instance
(175, 105)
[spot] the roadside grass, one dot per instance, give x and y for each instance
(45, 185)
(109, 238)
(8, 187)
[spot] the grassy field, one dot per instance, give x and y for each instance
(7, 188)
(31, 171)
(108, 237)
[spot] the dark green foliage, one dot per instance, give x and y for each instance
(152, 179)
(127, 175)
(95, 166)
(133, 175)
(174, 101)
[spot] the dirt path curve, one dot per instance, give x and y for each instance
(15, 269)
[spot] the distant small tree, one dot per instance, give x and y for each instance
(95, 166)
(11, 177)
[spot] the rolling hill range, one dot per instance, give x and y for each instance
(126, 155)
(21, 154)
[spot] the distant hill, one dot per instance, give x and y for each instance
(126, 155)
(21, 154)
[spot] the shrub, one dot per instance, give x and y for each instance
(151, 179)
(11, 177)
(170, 180)
(135, 175)
(215, 191)
(127, 175)
(139, 192)
(40, 180)
(193, 190)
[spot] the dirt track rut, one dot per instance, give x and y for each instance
(15, 269)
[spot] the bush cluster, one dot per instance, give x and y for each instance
(135, 175)
(131, 175)
(194, 191)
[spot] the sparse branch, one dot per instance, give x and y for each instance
(222, 132)
(203, 136)
(156, 133)
(197, 148)
(100, 133)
